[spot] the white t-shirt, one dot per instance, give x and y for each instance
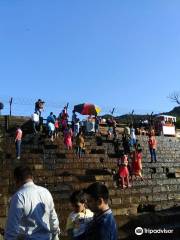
(35, 117)
(78, 221)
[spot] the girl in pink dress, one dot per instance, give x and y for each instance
(123, 171)
(68, 138)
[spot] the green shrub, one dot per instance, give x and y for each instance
(178, 122)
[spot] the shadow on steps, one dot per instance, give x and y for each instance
(165, 220)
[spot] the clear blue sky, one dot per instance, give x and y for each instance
(118, 53)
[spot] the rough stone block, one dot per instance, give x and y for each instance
(115, 201)
(135, 199)
(171, 196)
(38, 166)
(177, 196)
(156, 189)
(3, 210)
(159, 197)
(177, 174)
(133, 210)
(122, 211)
(3, 199)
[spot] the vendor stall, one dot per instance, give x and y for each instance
(166, 125)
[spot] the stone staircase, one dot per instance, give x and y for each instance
(62, 172)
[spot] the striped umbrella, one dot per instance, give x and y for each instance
(87, 109)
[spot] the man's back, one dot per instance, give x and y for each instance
(31, 214)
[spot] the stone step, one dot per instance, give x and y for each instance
(144, 199)
(164, 219)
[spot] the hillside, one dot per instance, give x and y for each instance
(175, 111)
(136, 117)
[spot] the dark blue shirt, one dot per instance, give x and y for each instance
(51, 119)
(103, 227)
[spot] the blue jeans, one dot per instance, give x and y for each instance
(18, 148)
(79, 151)
(35, 124)
(153, 154)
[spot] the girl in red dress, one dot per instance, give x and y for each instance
(124, 172)
(137, 163)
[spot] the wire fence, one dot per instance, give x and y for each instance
(24, 106)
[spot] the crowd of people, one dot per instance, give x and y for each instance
(73, 131)
(130, 162)
(32, 211)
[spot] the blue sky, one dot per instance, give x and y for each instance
(118, 53)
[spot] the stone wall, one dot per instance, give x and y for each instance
(62, 172)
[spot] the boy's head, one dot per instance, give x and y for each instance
(97, 196)
(77, 200)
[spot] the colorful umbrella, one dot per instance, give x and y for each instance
(87, 109)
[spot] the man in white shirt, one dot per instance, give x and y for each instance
(31, 214)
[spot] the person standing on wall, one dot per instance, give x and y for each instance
(35, 122)
(39, 106)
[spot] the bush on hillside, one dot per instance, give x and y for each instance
(177, 122)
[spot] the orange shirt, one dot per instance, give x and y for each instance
(152, 142)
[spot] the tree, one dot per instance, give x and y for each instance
(175, 97)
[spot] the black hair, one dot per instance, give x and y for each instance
(21, 173)
(77, 196)
(98, 190)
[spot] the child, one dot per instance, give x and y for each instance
(68, 138)
(132, 141)
(123, 171)
(137, 163)
(80, 144)
(152, 142)
(80, 216)
(56, 125)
